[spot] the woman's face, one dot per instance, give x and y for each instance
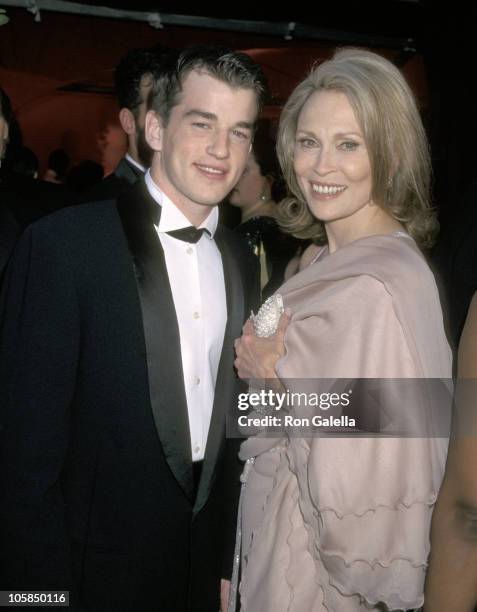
(331, 160)
(251, 186)
(3, 136)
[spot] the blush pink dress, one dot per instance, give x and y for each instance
(342, 524)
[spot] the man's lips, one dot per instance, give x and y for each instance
(212, 172)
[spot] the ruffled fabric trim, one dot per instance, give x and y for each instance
(399, 503)
(393, 601)
(299, 555)
(378, 552)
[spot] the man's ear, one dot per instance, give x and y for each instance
(127, 121)
(153, 130)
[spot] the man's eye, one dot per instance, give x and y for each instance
(241, 135)
(202, 126)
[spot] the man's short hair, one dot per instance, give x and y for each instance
(236, 69)
(129, 72)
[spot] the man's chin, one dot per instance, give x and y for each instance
(209, 201)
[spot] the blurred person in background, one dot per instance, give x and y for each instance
(25, 162)
(133, 79)
(5, 116)
(256, 194)
(58, 163)
(9, 226)
(23, 198)
(451, 582)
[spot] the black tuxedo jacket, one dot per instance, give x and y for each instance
(96, 486)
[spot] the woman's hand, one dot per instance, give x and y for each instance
(257, 357)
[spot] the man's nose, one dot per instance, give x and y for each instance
(219, 144)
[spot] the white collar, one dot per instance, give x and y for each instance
(171, 217)
(132, 161)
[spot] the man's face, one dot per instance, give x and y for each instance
(202, 151)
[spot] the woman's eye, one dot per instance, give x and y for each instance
(307, 143)
(348, 145)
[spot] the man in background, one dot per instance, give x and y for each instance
(133, 79)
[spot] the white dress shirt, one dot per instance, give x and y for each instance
(196, 277)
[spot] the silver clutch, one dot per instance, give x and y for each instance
(265, 322)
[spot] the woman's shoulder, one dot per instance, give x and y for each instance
(384, 257)
(394, 263)
(390, 258)
(308, 256)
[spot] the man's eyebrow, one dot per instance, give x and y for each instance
(203, 114)
(244, 124)
(194, 112)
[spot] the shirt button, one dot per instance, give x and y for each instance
(189, 251)
(197, 450)
(197, 381)
(196, 315)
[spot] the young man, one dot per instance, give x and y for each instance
(117, 366)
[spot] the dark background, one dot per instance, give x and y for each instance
(58, 72)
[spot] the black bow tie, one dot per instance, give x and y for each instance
(188, 234)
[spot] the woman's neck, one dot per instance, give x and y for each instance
(259, 209)
(344, 231)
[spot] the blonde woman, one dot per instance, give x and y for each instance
(340, 523)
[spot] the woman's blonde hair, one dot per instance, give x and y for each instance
(386, 111)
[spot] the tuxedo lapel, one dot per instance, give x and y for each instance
(225, 385)
(138, 212)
